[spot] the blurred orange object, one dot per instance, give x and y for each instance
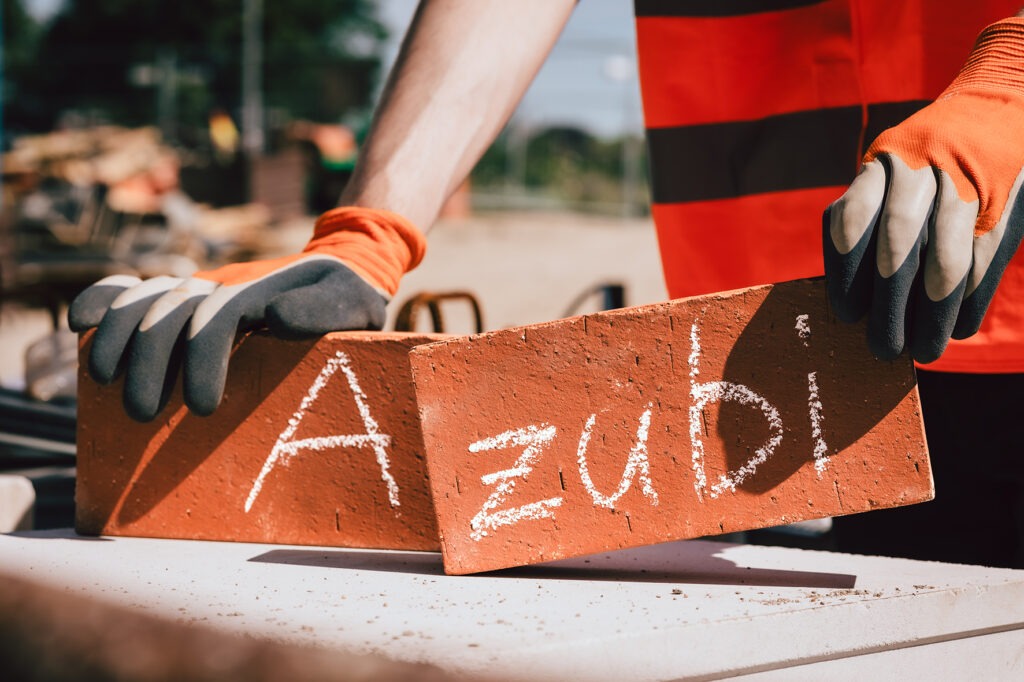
(143, 192)
(223, 134)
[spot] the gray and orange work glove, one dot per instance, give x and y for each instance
(340, 281)
(923, 234)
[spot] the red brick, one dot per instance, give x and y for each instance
(603, 380)
(190, 477)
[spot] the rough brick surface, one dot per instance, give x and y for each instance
(316, 442)
(695, 417)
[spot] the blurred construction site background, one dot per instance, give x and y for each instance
(159, 137)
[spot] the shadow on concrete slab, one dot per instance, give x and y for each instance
(696, 563)
(57, 534)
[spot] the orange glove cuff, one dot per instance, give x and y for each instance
(380, 246)
(974, 131)
(996, 62)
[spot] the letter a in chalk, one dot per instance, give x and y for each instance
(285, 448)
(637, 462)
(704, 393)
(533, 439)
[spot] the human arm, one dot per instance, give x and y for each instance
(463, 67)
(920, 240)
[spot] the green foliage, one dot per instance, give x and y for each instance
(567, 165)
(321, 59)
(21, 33)
(20, 41)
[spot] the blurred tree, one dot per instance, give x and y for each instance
(20, 40)
(321, 59)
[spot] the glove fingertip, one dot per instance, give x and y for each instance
(847, 276)
(884, 346)
(86, 312)
(89, 306)
(140, 410)
(106, 361)
(202, 406)
(99, 371)
(203, 391)
(928, 350)
(889, 318)
(204, 378)
(967, 325)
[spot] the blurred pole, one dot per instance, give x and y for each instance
(167, 92)
(252, 77)
(2, 82)
(621, 69)
(517, 141)
(631, 163)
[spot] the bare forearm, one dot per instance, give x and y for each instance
(462, 69)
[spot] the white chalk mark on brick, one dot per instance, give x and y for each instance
(700, 481)
(817, 417)
(637, 462)
(533, 439)
(815, 408)
(803, 329)
(285, 448)
(705, 393)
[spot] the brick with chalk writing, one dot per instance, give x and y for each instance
(315, 442)
(695, 417)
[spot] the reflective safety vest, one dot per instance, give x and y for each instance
(758, 113)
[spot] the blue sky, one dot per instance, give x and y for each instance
(574, 87)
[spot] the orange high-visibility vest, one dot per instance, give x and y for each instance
(757, 115)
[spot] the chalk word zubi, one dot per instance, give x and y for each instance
(535, 439)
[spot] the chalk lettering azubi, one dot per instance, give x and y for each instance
(535, 439)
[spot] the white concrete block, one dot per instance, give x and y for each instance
(686, 610)
(990, 656)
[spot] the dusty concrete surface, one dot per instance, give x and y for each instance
(48, 635)
(529, 267)
(686, 610)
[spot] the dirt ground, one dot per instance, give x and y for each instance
(531, 267)
(523, 268)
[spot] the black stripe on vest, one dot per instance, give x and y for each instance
(714, 8)
(802, 150)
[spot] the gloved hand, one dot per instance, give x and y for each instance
(339, 281)
(923, 235)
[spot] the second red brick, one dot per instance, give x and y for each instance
(684, 419)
